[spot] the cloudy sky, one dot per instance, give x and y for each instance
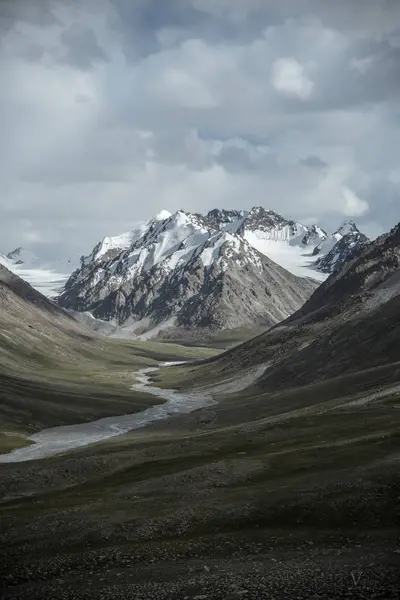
(111, 110)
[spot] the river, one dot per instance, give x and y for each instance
(54, 440)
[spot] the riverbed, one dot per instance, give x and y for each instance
(54, 440)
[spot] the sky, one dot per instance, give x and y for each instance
(112, 110)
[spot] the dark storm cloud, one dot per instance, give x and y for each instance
(313, 162)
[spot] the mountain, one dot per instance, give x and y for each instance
(28, 266)
(296, 247)
(339, 248)
(21, 256)
(33, 328)
(313, 236)
(186, 271)
(190, 271)
(295, 463)
(27, 313)
(287, 242)
(349, 325)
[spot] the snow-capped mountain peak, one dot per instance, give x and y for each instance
(162, 215)
(352, 235)
(221, 218)
(344, 250)
(111, 246)
(190, 270)
(172, 243)
(315, 235)
(21, 256)
(263, 219)
(346, 228)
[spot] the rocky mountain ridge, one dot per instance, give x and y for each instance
(339, 248)
(192, 271)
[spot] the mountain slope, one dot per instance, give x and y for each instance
(288, 486)
(189, 272)
(55, 371)
(22, 306)
(366, 281)
(350, 324)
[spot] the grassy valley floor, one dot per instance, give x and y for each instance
(259, 496)
(41, 391)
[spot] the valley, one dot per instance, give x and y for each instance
(253, 493)
(199, 300)
(274, 475)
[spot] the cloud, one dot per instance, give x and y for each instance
(288, 77)
(83, 49)
(313, 162)
(112, 110)
(353, 205)
(13, 11)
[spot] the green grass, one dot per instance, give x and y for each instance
(219, 340)
(39, 389)
(317, 471)
(11, 441)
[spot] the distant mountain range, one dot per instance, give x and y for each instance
(30, 268)
(190, 272)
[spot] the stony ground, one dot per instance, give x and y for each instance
(294, 508)
(258, 564)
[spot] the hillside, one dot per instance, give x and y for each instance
(55, 371)
(349, 324)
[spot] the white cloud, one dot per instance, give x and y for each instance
(185, 89)
(362, 65)
(288, 77)
(353, 206)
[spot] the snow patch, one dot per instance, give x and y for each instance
(46, 281)
(294, 259)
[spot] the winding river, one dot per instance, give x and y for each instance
(54, 440)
